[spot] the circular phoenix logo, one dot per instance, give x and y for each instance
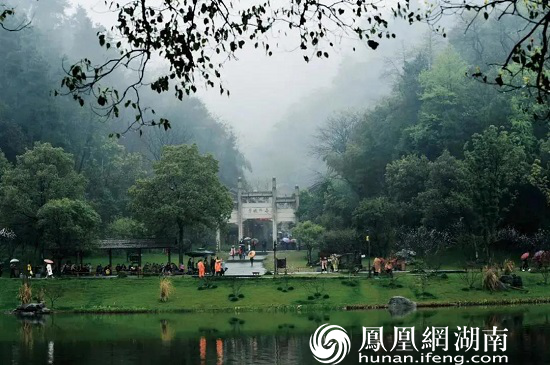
(329, 344)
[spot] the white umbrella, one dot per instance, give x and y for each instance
(48, 261)
(14, 261)
(286, 239)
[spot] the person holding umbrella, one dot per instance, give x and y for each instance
(13, 268)
(49, 271)
(251, 255)
(525, 262)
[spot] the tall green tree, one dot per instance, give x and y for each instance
(496, 165)
(68, 226)
(447, 199)
(309, 235)
(405, 180)
(184, 191)
(41, 174)
(111, 171)
(378, 217)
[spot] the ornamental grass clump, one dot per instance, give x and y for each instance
(490, 280)
(508, 267)
(166, 289)
(25, 293)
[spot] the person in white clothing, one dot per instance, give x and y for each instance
(49, 271)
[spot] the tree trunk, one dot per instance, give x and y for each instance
(180, 242)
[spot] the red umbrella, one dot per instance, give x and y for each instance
(525, 256)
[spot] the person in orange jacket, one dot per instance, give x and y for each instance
(200, 266)
(218, 267)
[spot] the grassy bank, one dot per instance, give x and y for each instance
(266, 293)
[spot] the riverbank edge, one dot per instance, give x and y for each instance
(302, 308)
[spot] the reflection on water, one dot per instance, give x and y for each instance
(167, 332)
(50, 352)
(246, 338)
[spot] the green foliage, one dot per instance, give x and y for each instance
(126, 228)
(447, 198)
(379, 216)
(443, 159)
(309, 235)
(341, 241)
(40, 175)
(496, 165)
(68, 226)
(111, 171)
(183, 192)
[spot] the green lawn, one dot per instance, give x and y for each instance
(132, 294)
(296, 261)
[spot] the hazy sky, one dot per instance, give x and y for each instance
(263, 88)
(267, 90)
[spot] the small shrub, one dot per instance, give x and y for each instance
(470, 277)
(544, 266)
(236, 294)
(393, 284)
(235, 320)
(350, 283)
(315, 288)
(166, 289)
(285, 287)
(424, 282)
(40, 296)
(311, 297)
(53, 293)
(326, 296)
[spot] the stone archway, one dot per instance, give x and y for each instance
(264, 205)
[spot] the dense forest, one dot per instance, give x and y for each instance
(65, 163)
(444, 161)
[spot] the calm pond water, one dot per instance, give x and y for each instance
(245, 338)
